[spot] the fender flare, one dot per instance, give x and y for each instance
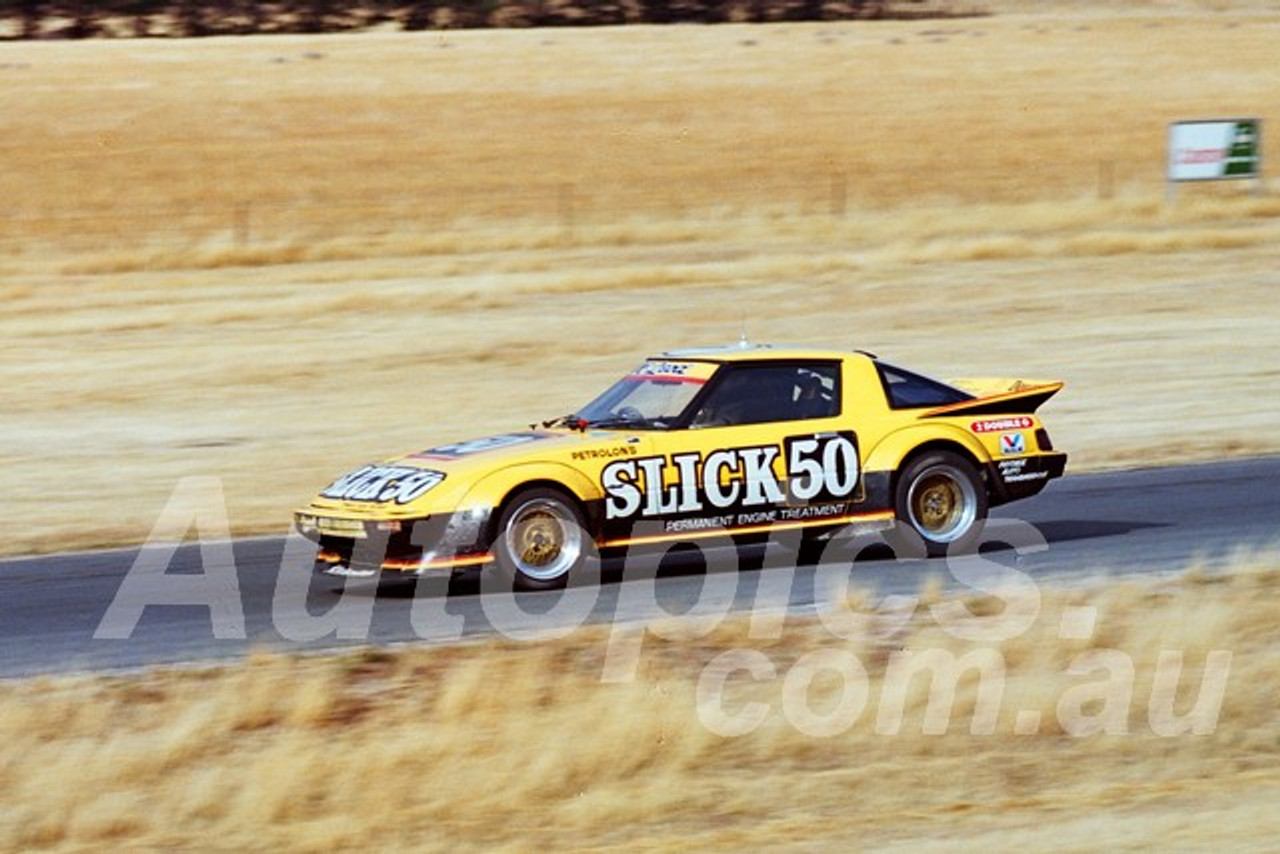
(490, 492)
(893, 450)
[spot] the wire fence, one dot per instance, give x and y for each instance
(318, 215)
(255, 221)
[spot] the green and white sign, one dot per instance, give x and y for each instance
(1215, 150)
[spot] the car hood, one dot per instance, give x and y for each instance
(435, 479)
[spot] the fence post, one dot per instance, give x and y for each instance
(839, 194)
(566, 208)
(240, 227)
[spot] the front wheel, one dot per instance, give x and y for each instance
(942, 497)
(541, 539)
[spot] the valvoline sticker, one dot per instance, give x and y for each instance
(1013, 443)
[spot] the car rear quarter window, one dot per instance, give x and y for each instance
(907, 390)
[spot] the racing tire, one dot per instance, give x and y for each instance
(941, 497)
(541, 539)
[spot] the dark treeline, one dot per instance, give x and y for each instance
(30, 19)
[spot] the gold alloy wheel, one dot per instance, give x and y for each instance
(943, 503)
(936, 503)
(543, 538)
(538, 538)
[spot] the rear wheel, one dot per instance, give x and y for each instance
(541, 539)
(942, 497)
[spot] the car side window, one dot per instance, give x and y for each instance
(759, 394)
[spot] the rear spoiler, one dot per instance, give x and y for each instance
(1019, 397)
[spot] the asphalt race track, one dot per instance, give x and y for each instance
(1118, 523)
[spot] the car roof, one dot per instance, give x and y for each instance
(745, 351)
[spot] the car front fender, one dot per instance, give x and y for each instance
(492, 489)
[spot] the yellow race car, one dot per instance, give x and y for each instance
(730, 443)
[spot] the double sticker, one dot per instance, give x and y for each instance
(995, 425)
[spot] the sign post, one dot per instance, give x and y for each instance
(1215, 150)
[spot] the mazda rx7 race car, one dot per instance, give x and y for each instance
(730, 443)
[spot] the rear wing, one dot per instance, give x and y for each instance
(998, 397)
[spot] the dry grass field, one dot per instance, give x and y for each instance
(272, 259)
(500, 746)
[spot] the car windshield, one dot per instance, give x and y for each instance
(652, 397)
